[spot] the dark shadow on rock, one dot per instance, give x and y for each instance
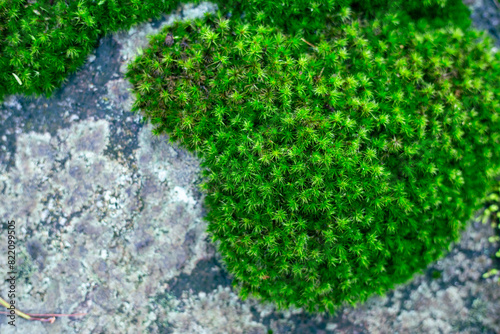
(205, 277)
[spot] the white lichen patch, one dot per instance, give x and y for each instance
(218, 312)
(222, 311)
(97, 236)
(119, 93)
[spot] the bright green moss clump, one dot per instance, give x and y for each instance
(42, 42)
(306, 17)
(333, 172)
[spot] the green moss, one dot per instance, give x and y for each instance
(306, 17)
(491, 215)
(436, 13)
(336, 171)
(42, 42)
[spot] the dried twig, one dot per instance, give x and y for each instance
(38, 317)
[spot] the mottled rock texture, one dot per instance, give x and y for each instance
(98, 236)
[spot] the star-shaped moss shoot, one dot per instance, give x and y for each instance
(333, 170)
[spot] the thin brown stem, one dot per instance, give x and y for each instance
(303, 40)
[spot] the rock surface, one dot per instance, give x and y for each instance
(110, 223)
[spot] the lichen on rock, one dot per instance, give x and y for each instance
(105, 237)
